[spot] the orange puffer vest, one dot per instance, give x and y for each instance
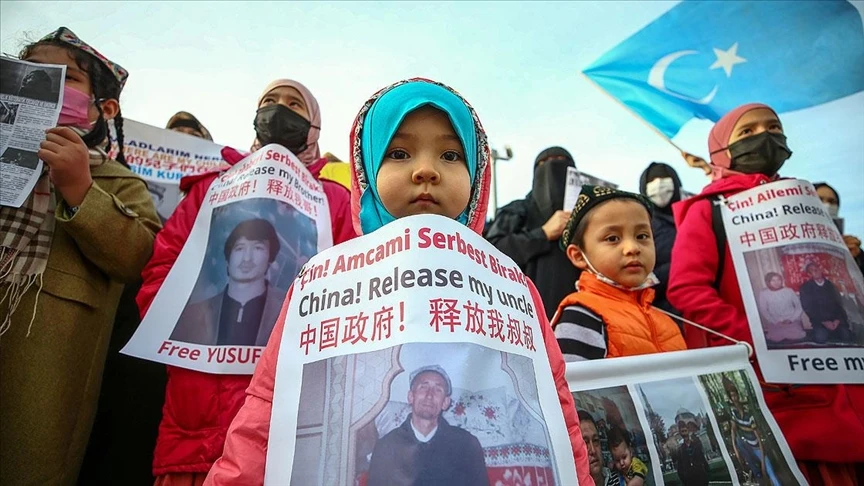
(633, 326)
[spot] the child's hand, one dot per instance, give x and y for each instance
(554, 228)
(68, 161)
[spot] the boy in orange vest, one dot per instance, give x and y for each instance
(610, 314)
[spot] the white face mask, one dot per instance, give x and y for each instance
(660, 191)
(832, 209)
(650, 281)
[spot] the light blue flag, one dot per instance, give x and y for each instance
(702, 59)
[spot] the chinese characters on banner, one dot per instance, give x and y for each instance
(259, 223)
(686, 417)
(162, 157)
(802, 291)
(370, 322)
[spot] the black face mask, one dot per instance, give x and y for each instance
(760, 154)
(278, 124)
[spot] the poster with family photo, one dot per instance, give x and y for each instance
(486, 428)
(260, 222)
(31, 96)
(415, 355)
(691, 417)
(802, 291)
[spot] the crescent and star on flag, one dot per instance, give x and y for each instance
(725, 59)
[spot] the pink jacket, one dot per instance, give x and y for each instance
(243, 460)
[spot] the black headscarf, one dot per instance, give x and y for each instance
(550, 180)
(659, 170)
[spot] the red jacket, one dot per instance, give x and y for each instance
(199, 406)
(822, 423)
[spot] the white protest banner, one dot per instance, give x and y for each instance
(259, 223)
(572, 187)
(803, 292)
(421, 324)
(685, 417)
(162, 157)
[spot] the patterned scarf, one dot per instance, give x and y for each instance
(25, 240)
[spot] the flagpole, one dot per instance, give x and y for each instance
(652, 127)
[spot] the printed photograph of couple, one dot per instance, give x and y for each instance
(422, 413)
(808, 296)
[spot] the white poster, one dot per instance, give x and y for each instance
(415, 352)
(31, 96)
(682, 418)
(162, 157)
(572, 187)
(803, 292)
(260, 222)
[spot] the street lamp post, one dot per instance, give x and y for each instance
(508, 154)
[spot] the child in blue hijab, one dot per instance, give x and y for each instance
(417, 147)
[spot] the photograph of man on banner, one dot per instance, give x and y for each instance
(241, 286)
(406, 417)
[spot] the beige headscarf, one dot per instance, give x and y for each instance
(312, 152)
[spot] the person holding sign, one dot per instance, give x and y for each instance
(199, 406)
(425, 445)
(84, 230)
(528, 230)
(822, 423)
(610, 314)
(418, 148)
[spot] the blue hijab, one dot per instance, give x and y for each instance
(381, 123)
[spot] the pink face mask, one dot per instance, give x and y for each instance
(75, 110)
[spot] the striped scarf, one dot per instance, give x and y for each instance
(25, 241)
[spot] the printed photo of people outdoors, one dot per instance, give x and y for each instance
(748, 438)
(407, 415)
(617, 448)
(690, 453)
(808, 296)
